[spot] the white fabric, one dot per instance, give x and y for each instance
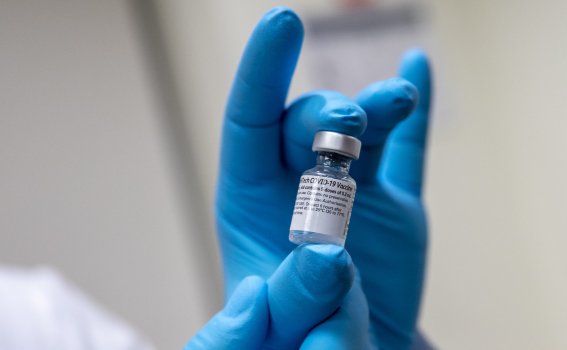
(40, 310)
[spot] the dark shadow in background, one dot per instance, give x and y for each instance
(174, 126)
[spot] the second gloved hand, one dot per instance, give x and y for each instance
(312, 282)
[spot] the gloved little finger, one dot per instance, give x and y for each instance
(241, 324)
(307, 287)
(404, 157)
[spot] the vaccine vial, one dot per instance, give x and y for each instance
(326, 192)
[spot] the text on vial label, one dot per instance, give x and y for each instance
(323, 205)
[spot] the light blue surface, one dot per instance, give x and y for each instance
(265, 147)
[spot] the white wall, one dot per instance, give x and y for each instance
(87, 180)
(497, 273)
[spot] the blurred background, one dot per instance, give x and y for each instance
(110, 114)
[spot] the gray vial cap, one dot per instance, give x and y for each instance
(330, 141)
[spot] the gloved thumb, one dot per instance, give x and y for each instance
(241, 324)
(308, 287)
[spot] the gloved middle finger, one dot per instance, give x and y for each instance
(316, 111)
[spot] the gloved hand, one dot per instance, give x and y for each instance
(306, 288)
(265, 149)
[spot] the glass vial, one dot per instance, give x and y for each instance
(326, 192)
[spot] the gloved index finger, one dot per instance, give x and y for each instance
(251, 134)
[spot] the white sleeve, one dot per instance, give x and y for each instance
(40, 310)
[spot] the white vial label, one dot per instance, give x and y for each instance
(323, 205)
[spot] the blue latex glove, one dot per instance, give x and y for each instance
(264, 150)
(312, 282)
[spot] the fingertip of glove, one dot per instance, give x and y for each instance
(325, 267)
(397, 92)
(284, 18)
(323, 251)
(272, 50)
(415, 55)
(342, 115)
(248, 295)
(241, 324)
(253, 283)
(281, 12)
(323, 110)
(416, 68)
(404, 95)
(386, 104)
